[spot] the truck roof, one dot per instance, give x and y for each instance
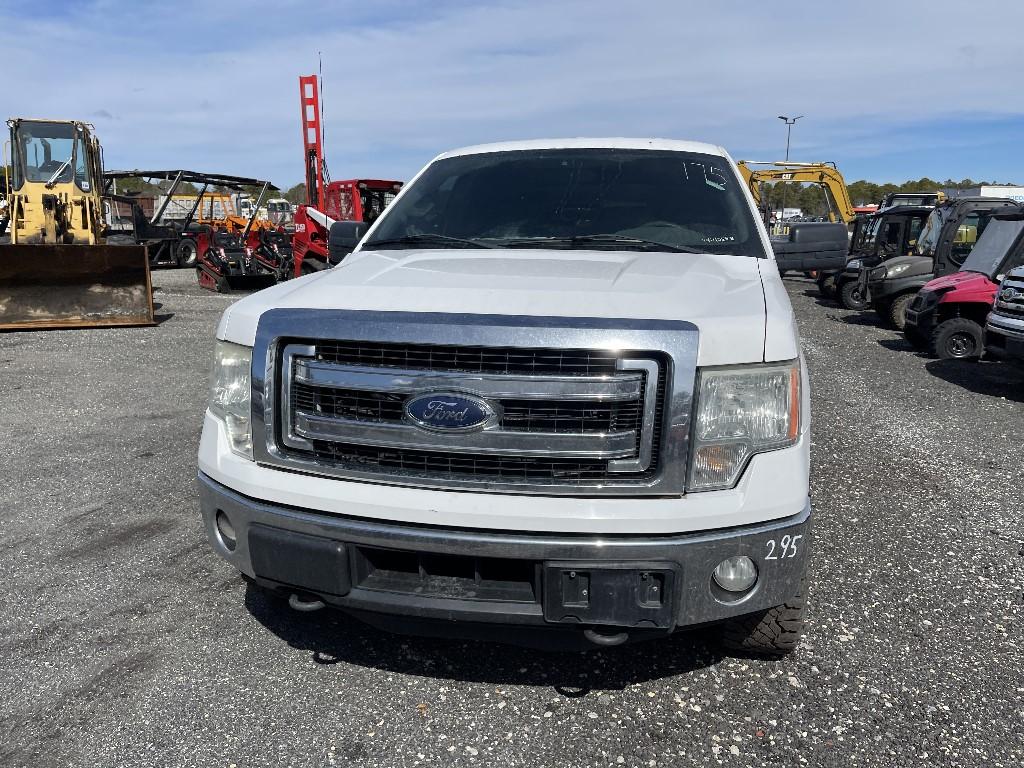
(672, 145)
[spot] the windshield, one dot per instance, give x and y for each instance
(374, 201)
(905, 198)
(50, 153)
(566, 198)
(992, 247)
(868, 234)
(929, 236)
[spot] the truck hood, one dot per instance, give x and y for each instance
(722, 295)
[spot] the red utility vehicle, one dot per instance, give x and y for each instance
(948, 315)
(328, 201)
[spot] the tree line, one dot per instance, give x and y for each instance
(810, 199)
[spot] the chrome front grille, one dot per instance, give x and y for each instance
(601, 418)
(574, 428)
(1010, 297)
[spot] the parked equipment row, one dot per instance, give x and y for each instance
(950, 276)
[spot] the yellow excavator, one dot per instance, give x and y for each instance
(826, 175)
(56, 268)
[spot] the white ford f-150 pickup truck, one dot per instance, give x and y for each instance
(556, 393)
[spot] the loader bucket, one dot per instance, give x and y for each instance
(74, 286)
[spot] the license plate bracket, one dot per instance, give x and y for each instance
(628, 594)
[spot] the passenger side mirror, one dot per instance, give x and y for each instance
(343, 238)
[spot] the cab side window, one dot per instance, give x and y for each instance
(965, 237)
(914, 227)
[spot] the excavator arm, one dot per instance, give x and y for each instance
(826, 175)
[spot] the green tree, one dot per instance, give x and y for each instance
(296, 194)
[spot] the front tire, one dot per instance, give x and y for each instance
(850, 296)
(775, 632)
(898, 310)
(827, 285)
(958, 339)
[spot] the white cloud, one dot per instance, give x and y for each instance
(214, 85)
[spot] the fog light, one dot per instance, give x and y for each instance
(227, 532)
(737, 574)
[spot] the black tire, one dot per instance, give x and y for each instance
(827, 284)
(774, 632)
(187, 253)
(958, 339)
(897, 315)
(851, 297)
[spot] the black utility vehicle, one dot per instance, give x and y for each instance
(944, 244)
(878, 237)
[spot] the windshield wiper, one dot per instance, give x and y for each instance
(427, 237)
(598, 239)
(634, 241)
(57, 173)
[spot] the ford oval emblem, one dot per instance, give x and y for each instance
(449, 412)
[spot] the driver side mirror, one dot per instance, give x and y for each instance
(343, 238)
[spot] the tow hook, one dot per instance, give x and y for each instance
(305, 606)
(598, 638)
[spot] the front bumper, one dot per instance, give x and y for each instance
(1004, 337)
(394, 574)
(921, 316)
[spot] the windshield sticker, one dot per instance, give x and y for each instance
(719, 239)
(713, 177)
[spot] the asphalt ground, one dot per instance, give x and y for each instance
(126, 642)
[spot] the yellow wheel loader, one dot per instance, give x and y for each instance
(57, 270)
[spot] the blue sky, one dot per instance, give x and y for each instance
(213, 85)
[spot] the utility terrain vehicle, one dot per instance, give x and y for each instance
(882, 236)
(945, 242)
(949, 313)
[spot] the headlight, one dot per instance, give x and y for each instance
(742, 411)
(896, 269)
(855, 263)
(230, 394)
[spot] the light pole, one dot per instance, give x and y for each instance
(789, 121)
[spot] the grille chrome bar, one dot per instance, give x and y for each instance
(515, 387)
(650, 401)
(588, 445)
(457, 343)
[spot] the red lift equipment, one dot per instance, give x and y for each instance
(328, 201)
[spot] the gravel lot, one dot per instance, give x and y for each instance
(127, 642)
